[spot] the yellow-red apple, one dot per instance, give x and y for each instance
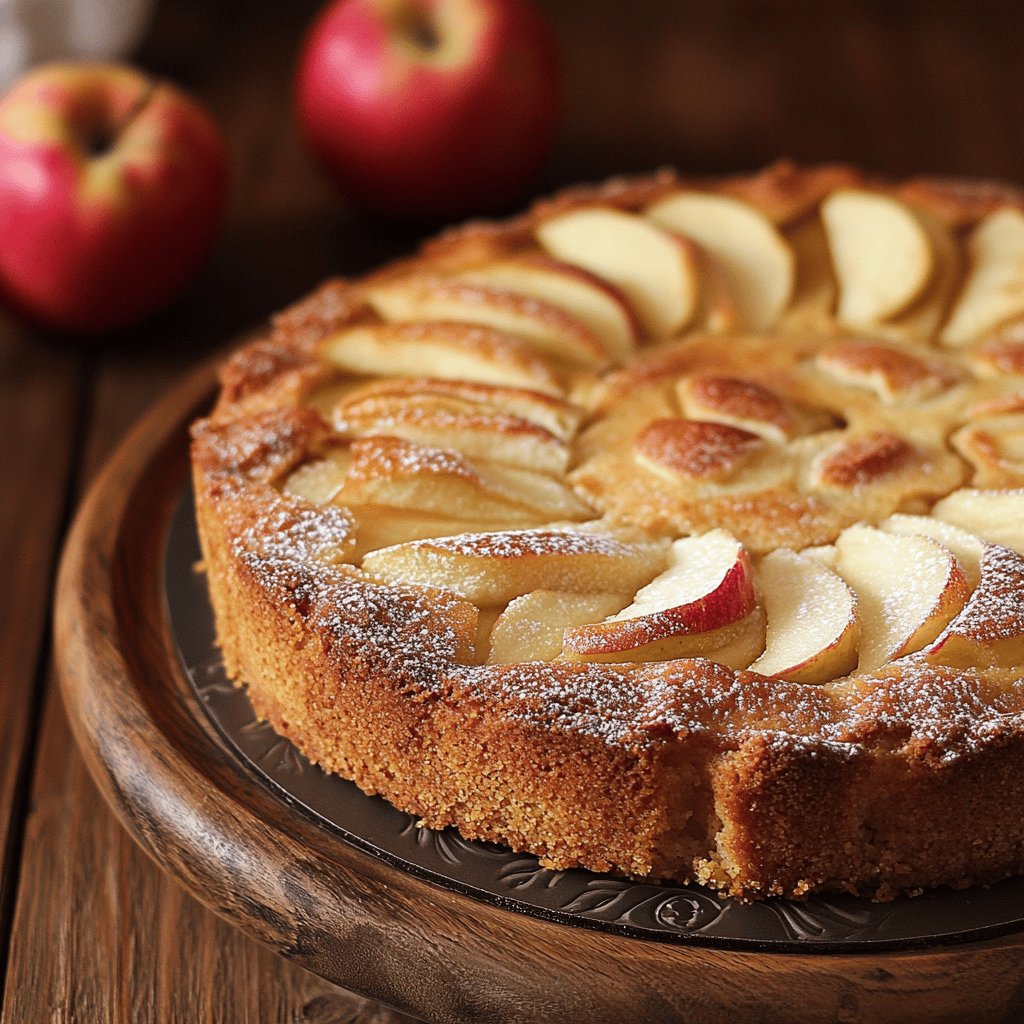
(112, 188)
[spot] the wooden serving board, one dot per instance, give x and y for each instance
(266, 866)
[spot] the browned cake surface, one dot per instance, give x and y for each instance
(441, 508)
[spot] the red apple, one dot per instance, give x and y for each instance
(112, 187)
(429, 109)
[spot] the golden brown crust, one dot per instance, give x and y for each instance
(882, 784)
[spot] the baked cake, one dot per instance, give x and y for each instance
(672, 529)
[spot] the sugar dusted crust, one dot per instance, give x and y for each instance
(878, 784)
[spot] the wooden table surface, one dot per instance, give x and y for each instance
(90, 930)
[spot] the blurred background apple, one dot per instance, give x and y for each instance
(112, 188)
(429, 109)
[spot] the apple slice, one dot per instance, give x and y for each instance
(995, 445)
(437, 481)
(994, 290)
(746, 645)
(493, 568)
(585, 296)
(967, 547)
(549, 329)
(554, 415)
(908, 588)
(451, 351)
(654, 269)
(379, 526)
(882, 254)
(741, 403)
(319, 480)
(823, 553)
(994, 516)
(755, 258)
(476, 433)
(531, 627)
(694, 449)
(691, 608)
(892, 373)
(990, 629)
(814, 291)
(813, 628)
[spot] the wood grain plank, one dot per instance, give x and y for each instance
(99, 933)
(39, 410)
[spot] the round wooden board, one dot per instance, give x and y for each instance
(352, 917)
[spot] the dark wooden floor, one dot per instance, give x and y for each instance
(89, 929)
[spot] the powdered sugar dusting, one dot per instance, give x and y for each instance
(526, 543)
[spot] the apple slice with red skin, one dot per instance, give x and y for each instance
(531, 627)
(967, 547)
(990, 628)
(583, 295)
(691, 608)
(656, 270)
(908, 589)
(112, 190)
(813, 627)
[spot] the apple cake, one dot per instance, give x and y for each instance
(673, 528)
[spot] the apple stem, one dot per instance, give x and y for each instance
(412, 20)
(100, 142)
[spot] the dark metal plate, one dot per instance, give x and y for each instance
(657, 911)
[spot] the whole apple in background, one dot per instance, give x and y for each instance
(429, 109)
(112, 188)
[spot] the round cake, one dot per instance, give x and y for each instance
(672, 529)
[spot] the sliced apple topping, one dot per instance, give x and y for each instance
(823, 553)
(585, 296)
(379, 525)
(754, 257)
(738, 403)
(694, 449)
(813, 627)
(908, 589)
(893, 374)
(994, 516)
(451, 351)
(814, 294)
(531, 627)
(995, 445)
(994, 290)
(967, 547)
(319, 480)
(696, 606)
(548, 328)
(654, 269)
(882, 254)
(436, 481)
(553, 414)
(990, 629)
(437, 422)
(493, 568)
(1004, 355)
(863, 460)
